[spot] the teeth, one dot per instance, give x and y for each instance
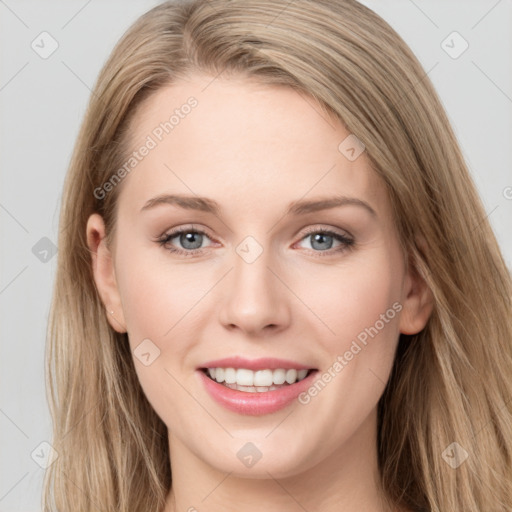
(254, 381)
(230, 375)
(219, 374)
(301, 374)
(263, 378)
(252, 389)
(279, 376)
(291, 376)
(244, 377)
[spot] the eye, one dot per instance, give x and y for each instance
(327, 241)
(190, 240)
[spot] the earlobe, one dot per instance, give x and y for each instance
(103, 272)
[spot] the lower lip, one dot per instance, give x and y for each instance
(258, 403)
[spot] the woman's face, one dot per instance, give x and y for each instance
(287, 252)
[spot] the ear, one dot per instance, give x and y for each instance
(103, 272)
(418, 302)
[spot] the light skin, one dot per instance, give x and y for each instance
(255, 149)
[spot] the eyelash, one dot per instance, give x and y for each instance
(347, 242)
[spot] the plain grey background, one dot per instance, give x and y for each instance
(42, 101)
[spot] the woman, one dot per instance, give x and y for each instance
(276, 277)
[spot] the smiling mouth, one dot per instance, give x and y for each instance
(260, 381)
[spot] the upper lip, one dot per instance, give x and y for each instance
(262, 363)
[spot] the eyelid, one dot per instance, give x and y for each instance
(326, 228)
(185, 227)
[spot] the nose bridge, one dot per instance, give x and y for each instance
(253, 277)
(255, 298)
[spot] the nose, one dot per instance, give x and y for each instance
(254, 301)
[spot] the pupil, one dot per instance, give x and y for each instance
(191, 240)
(322, 241)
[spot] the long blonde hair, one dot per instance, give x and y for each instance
(450, 383)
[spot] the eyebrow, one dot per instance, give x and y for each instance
(299, 207)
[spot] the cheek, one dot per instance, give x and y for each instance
(361, 305)
(350, 298)
(158, 301)
(156, 293)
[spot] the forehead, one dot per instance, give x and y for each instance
(235, 138)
